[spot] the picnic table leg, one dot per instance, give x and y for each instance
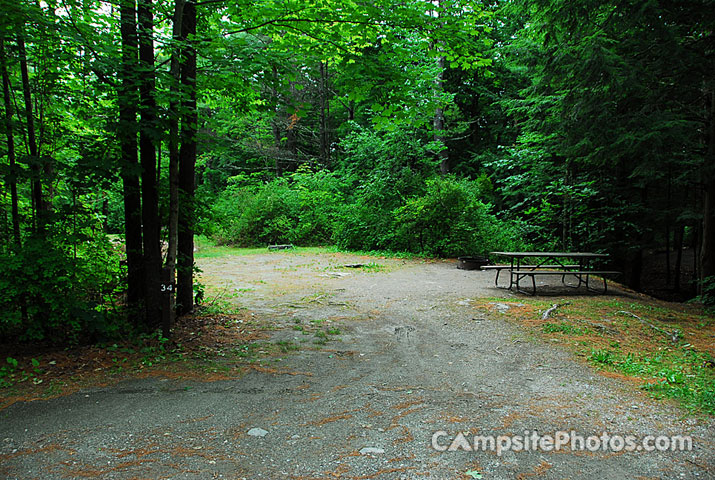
(582, 266)
(605, 286)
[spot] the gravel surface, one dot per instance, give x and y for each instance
(413, 357)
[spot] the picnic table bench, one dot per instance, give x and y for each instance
(550, 263)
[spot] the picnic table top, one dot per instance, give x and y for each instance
(551, 254)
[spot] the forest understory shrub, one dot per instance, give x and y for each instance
(396, 210)
(57, 293)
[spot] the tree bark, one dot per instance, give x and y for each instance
(148, 137)
(12, 177)
(277, 131)
(31, 137)
(324, 116)
(678, 240)
(707, 246)
(174, 113)
(128, 95)
(187, 165)
(439, 135)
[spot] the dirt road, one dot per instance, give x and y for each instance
(385, 366)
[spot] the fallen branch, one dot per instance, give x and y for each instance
(674, 336)
(280, 247)
(602, 328)
(317, 299)
(553, 308)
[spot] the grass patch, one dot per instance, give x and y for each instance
(286, 346)
(206, 248)
(374, 253)
(666, 348)
(562, 327)
(681, 374)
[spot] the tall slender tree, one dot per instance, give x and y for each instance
(187, 164)
(12, 176)
(37, 197)
(128, 98)
(173, 143)
(148, 138)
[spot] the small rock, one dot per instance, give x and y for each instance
(257, 432)
(371, 451)
(501, 307)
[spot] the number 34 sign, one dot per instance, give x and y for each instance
(167, 287)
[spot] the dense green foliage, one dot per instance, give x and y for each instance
(51, 289)
(438, 217)
(441, 128)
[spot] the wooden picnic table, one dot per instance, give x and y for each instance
(575, 264)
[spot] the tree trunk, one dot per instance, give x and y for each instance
(277, 131)
(31, 138)
(148, 129)
(187, 164)
(324, 116)
(667, 256)
(12, 176)
(636, 269)
(438, 121)
(174, 106)
(678, 240)
(668, 223)
(439, 135)
(707, 246)
(128, 96)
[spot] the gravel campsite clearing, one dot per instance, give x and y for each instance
(365, 368)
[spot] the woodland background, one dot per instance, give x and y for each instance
(442, 128)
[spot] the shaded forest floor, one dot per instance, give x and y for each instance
(300, 367)
(656, 282)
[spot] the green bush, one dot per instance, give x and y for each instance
(301, 209)
(320, 196)
(450, 220)
(391, 209)
(366, 221)
(60, 293)
(384, 196)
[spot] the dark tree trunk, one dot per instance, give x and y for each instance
(667, 256)
(31, 137)
(678, 240)
(324, 116)
(439, 135)
(148, 137)
(668, 223)
(277, 131)
(128, 100)
(174, 106)
(636, 270)
(12, 177)
(707, 246)
(187, 164)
